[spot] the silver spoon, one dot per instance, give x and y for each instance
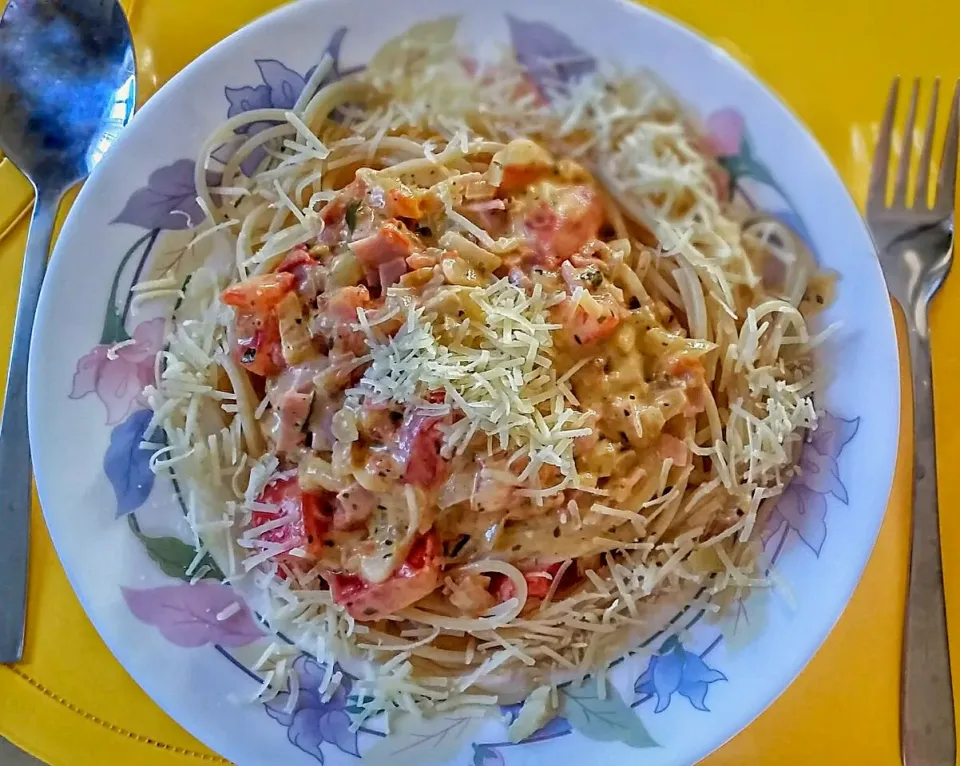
(67, 87)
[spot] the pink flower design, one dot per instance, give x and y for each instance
(725, 132)
(120, 382)
(194, 615)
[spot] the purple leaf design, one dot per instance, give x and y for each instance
(696, 694)
(285, 85)
(803, 505)
(821, 474)
(280, 88)
(333, 50)
(186, 614)
(223, 152)
(607, 720)
(252, 162)
(127, 466)
(675, 670)
(833, 434)
(168, 201)
(774, 524)
(313, 721)
(805, 511)
(304, 732)
(696, 671)
(335, 729)
(667, 674)
(552, 59)
(485, 755)
(696, 677)
(247, 98)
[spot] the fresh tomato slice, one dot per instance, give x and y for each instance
(258, 330)
(538, 582)
(402, 203)
(418, 446)
(425, 466)
(258, 344)
(261, 294)
(417, 577)
(309, 515)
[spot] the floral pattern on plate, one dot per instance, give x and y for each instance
(312, 720)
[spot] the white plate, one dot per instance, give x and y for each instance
(117, 530)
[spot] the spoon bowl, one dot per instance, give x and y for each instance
(67, 85)
(67, 88)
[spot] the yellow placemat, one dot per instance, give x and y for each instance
(70, 702)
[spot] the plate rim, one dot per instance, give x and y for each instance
(217, 738)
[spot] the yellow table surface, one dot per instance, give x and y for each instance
(70, 702)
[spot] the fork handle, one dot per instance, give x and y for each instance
(927, 734)
(14, 443)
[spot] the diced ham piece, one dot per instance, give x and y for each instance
(305, 269)
(344, 302)
(490, 215)
(338, 309)
(332, 215)
(336, 212)
(388, 244)
(337, 317)
(333, 212)
(391, 271)
(259, 294)
(558, 231)
(321, 423)
(294, 412)
(298, 377)
(295, 259)
(673, 448)
(417, 577)
(353, 507)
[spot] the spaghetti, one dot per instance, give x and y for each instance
(490, 380)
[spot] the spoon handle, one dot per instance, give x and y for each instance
(15, 473)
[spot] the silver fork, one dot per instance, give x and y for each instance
(915, 242)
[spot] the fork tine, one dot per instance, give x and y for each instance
(947, 180)
(906, 150)
(877, 190)
(923, 176)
